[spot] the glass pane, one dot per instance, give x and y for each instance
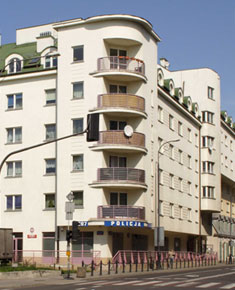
(113, 125)
(10, 100)
(123, 199)
(18, 168)
(113, 89)
(77, 126)
(78, 90)
(78, 198)
(18, 101)
(50, 131)
(122, 89)
(50, 96)
(9, 135)
(113, 161)
(78, 53)
(78, 162)
(9, 202)
(11, 66)
(18, 65)
(122, 125)
(54, 61)
(18, 134)
(50, 166)
(18, 202)
(50, 200)
(122, 53)
(88, 243)
(113, 198)
(113, 52)
(122, 161)
(48, 247)
(9, 168)
(48, 61)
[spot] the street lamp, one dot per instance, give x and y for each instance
(157, 212)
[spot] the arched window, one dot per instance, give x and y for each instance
(14, 65)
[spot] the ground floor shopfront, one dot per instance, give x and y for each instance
(100, 241)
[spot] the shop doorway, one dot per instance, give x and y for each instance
(18, 247)
(117, 243)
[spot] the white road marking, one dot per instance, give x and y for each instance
(207, 285)
(147, 283)
(165, 283)
(229, 286)
(126, 283)
(186, 284)
(192, 276)
(89, 282)
(80, 288)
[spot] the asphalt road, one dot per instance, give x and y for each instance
(207, 278)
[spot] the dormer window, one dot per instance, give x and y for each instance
(50, 61)
(14, 65)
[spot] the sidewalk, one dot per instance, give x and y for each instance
(55, 278)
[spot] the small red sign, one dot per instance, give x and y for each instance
(31, 236)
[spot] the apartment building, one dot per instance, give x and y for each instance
(51, 79)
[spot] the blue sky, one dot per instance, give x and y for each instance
(194, 33)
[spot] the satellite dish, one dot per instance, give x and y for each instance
(128, 131)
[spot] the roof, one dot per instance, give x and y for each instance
(27, 50)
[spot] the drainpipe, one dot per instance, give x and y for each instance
(199, 198)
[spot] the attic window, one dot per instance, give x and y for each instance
(14, 65)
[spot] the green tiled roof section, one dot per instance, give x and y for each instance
(186, 101)
(167, 83)
(194, 106)
(27, 50)
(177, 92)
(229, 120)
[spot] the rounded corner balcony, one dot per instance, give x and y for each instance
(116, 177)
(210, 204)
(121, 68)
(117, 141)
(121, 104)
(126, 212)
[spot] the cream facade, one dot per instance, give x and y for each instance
(51, 79)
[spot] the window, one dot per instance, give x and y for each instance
(78, 53)
(117, 161)
(231, 165)
(189, 214)
(115, 89)
(208, 192)
(14, 65)
(78, 199)
(189, 188)
(196, 140)
(208, 167)
(160, 144)
(231, 145)
(117, 198)
(50, 166)
(48, 244)
(14, 101)
(14, 135)
(171, 122)
(207, 141)
(77, 125)
(180, 128)
(171, 151)
(50, 61)
(226, 140)
(161, 176)
(160, 114)
(189, 161)
(50, 131)
(196, 165)
(171, 181)
(13, 202)
(180, 184)
(14, 169)
(171, 210)
(78, 90)
(78, 162)
(189, 135)
(49, 200)
(180, 156)
(207, 117)
(50, 96)
(210, 93)
(117, 125)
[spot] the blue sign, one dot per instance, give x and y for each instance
(83, 223)
(124, 224)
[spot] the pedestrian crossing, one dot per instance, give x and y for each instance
(87, 285)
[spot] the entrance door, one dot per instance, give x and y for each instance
(18, 247)
(117, 243)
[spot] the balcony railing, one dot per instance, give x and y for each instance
(116, 174)
(118, 138)
(127, 101)
(121, 63)
(121, 211)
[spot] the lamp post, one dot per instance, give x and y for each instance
(157, 212)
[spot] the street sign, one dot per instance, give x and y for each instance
(69, 207)
(69, 216)
(159, 237)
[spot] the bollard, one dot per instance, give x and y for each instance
(156, 265)
(92, 268)
(147, 264)
(188, 263)
(176, 264)
(184, 263)
(136, 265)
(100, 268)
(116, 267)
(123, 266)
(180, 263)
(82, 263)
(109, 267)
(142, 265)
(130, 267)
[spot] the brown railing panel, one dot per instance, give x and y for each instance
(120, 174)
(122, 211)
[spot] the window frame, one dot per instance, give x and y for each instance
(73, 123)
(46, 163)
(74, 169)
(14, 207)
(76, 60)
(210, 93)
(15, 97)
(80, 97)
(81, 192)
(14, 135)
(53, 201)
(52, 101)
(14, 169)
(47, 137)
